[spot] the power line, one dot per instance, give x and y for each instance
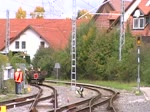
(93, 9)
(88, 3)
(53, 8)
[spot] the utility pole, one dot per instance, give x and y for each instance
(73, 46)
(7, 36)
(122, 30)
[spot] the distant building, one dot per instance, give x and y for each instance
(108, 16)
(27, 35)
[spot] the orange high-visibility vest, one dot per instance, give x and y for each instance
(18, 77)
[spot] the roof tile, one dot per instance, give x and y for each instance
(55, 31)
(142, 6)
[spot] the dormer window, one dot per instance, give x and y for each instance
(139, 20)
(138, 23)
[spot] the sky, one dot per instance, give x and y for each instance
(53, 8)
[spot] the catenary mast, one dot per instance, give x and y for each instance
(73, 46)
(7, 37)
(122, 30)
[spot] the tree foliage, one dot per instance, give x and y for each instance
(145, 63)
(15, 59)
(97, 53)
(87, 14)
(44, 59)
(20, 14)
(38, 12)
(97, 56)
(3, 60)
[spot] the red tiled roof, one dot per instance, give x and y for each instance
(142, 6)
(117, 4)
(55, 31)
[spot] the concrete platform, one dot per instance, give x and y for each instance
(146, 92)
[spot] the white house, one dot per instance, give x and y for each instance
(28, 42)
(27, 35)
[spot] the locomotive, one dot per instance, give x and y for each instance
(35, 76)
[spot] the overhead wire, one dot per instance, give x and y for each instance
(87, 3)
(44, 2)
(53, 8)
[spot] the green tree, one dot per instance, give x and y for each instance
(38, 12)
(20, 14)
(3, 60)
(144, 63)
(44, 59)
(86, 16)
(63, 57)
(85, 38)
(97, 53)
(97, 56)
(17, 59)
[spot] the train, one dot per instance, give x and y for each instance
(35, 76)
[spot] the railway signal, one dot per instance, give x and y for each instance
(138, 41)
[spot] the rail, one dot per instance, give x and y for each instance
(91, 101)
(33, 106)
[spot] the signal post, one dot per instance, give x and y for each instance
(138, 60)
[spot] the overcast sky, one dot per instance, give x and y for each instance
(53, 8)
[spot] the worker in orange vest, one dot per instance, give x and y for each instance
(18, 77)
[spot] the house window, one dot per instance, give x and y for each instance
(42, 44)
(138, 23)
(111, 21)
(23, 44)
(147, 20)
(17, 44)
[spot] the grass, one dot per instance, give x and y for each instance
(111, 84)
(7, 97)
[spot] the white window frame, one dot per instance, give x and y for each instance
(23, 44)
(137, 26)
(42, 44)
(17, 45)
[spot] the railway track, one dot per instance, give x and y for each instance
(19, 101)
(30, 101)
(100, 102)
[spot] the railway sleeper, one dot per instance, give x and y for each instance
(44, 104)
